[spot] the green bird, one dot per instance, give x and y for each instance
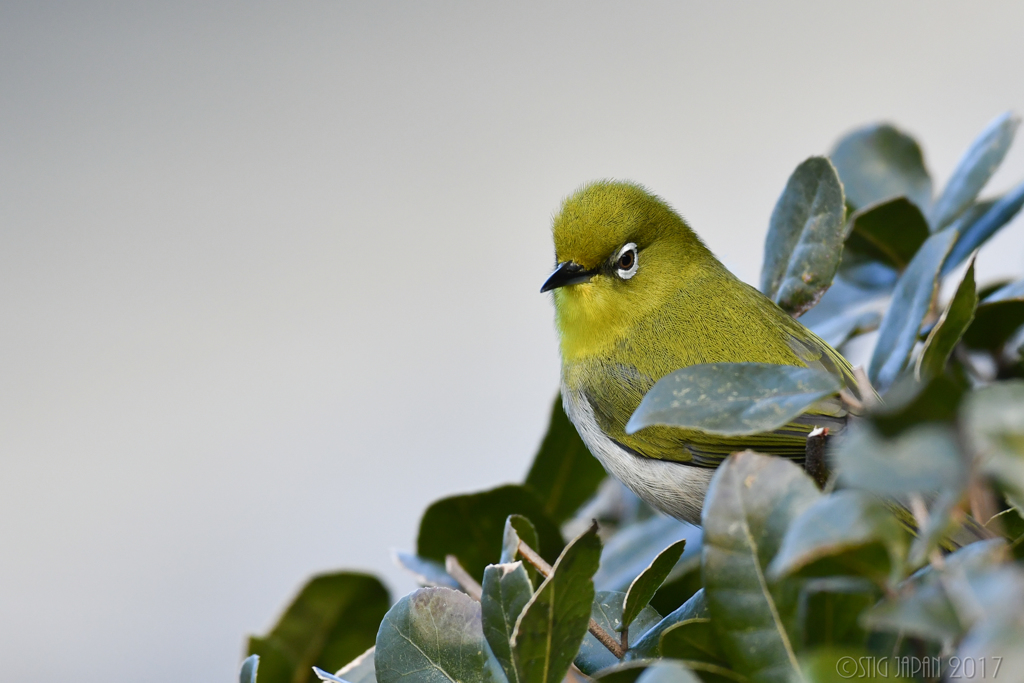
(637, 296)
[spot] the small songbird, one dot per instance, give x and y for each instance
(637, 296)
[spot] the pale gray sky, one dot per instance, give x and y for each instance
(269, 272)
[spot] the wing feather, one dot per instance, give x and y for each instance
(617, 390)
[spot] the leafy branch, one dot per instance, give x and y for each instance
(897, 531)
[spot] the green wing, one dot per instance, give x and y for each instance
(615, 391)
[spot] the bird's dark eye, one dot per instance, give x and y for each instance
(626, 262)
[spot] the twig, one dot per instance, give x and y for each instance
(468, 583)
(544, 568)
(982, 531)
(852, 402)
(920, 511)
(868, 397)
(983, 504)
(606, 639)
(476, 591)
(814, 460)
(531, 556)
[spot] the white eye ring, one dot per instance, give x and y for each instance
(629, 258)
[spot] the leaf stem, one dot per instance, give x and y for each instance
(606, 639)
(920, 512)
(531, 556)
(603, 637)
(457, 572)
(868, 396)
(851, 401)
(983, 504)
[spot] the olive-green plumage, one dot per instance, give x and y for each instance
(637, 296)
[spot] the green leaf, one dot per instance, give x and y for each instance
(1011, 525)
(939, 605)
(668, 672)
(889, 232)
(846, 532)
(945, 611)
(974, 170)
(924, 614)
(871, 276)
(844, 327)
(974, 228)
(965, 224)
(842, 297)
(939, 526)
(360, 670)
(995, 648)
(695, 640)
(327, 676)
(275, 663)
(911, 300)
(434, 635)
(830, 609)
(333, 619)
(607, 612)
(550, 629)
(1005, 292)
(363, 672)
(997, 318)
(517, 528)
(681, 584)
(749, 504)
(564, 474)
(427, 572)
(635, 546)
(879, 162)
(628, 672)
(471, 526)
(506, 590)
(644, 586)
(923, 458)
(994, 424)
(842, 307)
(805, 237)
(996, 639)
(248, 671)
(624, 672)
(911, 402)
(950, 328)
(649, 644)
(842, 664)
(732, 398)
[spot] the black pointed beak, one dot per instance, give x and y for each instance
(567, 273)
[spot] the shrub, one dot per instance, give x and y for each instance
(899, 557)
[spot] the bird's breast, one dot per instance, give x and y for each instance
(674, 488)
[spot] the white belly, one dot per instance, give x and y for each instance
(674, 488)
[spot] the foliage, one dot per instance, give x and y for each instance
(732, 398)
(328, 624)
(564, 474)
(805, 236)
(912, 550)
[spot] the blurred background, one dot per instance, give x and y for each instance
(269, 271)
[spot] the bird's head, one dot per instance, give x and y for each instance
(620, 252)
